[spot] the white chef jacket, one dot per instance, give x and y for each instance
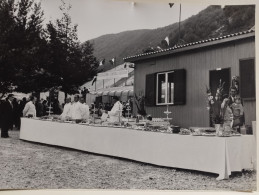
(29, 109)
(86, 112)
(77, 111)
(115, 112)
(67, 112)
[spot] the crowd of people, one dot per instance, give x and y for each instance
(11, 110)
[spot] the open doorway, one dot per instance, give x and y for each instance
(216, 76)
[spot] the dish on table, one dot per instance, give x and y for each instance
(236, 134)
(209, 134)
(196, 134)
(68, 121)
(224, 135)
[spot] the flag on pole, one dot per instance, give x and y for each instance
(112, 61)
(102, 62)
(171, 5)
(167, 40)
(94, 80)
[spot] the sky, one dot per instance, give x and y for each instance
(100, 17)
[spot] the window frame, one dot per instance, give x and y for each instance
(166, 91)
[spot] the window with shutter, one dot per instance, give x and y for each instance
(247, 78)
(171, 87)
(180, 87)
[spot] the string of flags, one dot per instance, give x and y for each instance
(112, 61)
(102, 62)
(171, 5)
(167, 40)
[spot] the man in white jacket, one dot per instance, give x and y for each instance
(116, 112)
(29, 109)
(77, 110)
(67, 111)
(85, 107)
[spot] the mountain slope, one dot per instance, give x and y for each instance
(211, 22)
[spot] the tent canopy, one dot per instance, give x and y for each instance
(114, 91)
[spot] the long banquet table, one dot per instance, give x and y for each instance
(220, 155)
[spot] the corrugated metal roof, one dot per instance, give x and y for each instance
(190, 45)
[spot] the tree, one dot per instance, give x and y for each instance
(71, 62)
(33, 52)
(34, 59)
(7, 49)
(23, 47)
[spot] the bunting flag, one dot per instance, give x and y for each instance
(171, 5)
(112, 61)
(94, 80)
(102, 62)
(167, 40)
(159, 48)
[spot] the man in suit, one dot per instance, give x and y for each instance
(233, 93)
(7, 116)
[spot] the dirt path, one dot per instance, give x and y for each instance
(27, 165)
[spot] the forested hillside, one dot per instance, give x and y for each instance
(214, 21)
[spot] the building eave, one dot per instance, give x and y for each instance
(192, 46)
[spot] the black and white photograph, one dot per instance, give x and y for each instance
(141, 95)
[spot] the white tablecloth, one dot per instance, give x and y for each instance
(220, 155)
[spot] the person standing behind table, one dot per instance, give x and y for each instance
(22, 105)
(39, 108)
(67, 111)
(233, 93)
(77, 110)
(227, 113)
(85, 108)
(45, 107)
(238, 112)
(57, 109)
(6, 116)
(29, 109)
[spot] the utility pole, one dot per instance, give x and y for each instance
(179, 35)
(180, 24)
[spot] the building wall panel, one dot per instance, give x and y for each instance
(197, 63)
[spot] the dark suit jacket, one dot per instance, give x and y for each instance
(6, 114)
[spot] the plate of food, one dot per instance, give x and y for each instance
(235, 134)
(184, 131)
(68, 121)
(224, 135)
(197, 134)
(209, 134)
(83, 123)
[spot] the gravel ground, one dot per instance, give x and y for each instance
(27, 165)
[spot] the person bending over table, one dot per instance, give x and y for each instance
(66, 114)
(116, 111)
(29, 109)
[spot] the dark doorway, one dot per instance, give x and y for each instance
(215, 77)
